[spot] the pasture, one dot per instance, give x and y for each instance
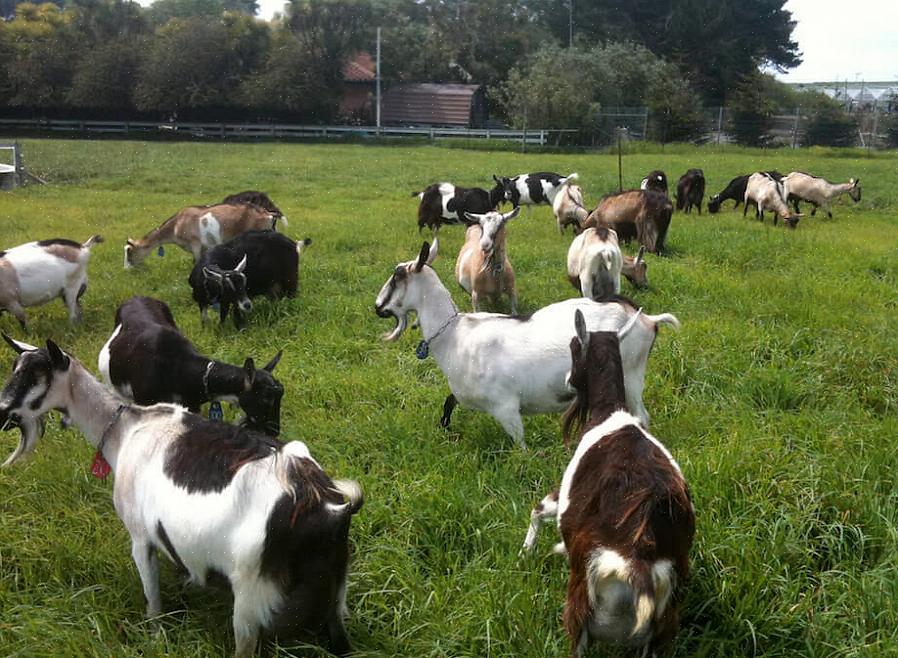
(778, 397)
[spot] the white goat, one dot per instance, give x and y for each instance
(568, 207)
(37, 272)
(594, 263)
(482, 268)
(818, 191)
(510, 365)
(210, 497)
(767, 193)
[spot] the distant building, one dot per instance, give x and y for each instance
(432, 104)
(357, 103)
(853, 95)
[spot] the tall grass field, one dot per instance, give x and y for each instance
(778, 397)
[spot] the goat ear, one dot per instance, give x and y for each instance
(18, 345)
(856, 181)
(582, 334)
(249, 371)
(212, 274)
(59, 360)
(496, 178)
(241, 265)
(473, 217)
(130, 242)
(422, 257)
(271, 364)
(511, 214)
(432, 254)
(641, 254)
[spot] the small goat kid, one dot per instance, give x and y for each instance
(210, 497)
(624, 511)
(767, 193)
(508, 365)
(482, 268)
(819, 192)
(569, 209)
(36, 272)
(594, 263)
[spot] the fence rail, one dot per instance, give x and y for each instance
(273, 130)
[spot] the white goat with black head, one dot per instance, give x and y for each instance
(211, 497)
(482, 268)
(508, 365)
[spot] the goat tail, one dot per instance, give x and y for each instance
(420, 195)
(92, 240)
(664, 318)
(570, 178)
(301, 245)
(352, 491)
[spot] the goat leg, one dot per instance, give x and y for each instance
(448, 407)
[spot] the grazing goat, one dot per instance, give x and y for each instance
(636, 269)
(656, 180)
(211, 497)
(482, 268)
(147, 359)
(594, 263)
(691, 190)
(254, 263)
(641, 214)
(533, 189)
(445, 203)
(735, 190)
(819, 192)
(36, 272)
(198, 228)
(767, 193)
(508, 365)
(624, 512)
(568, 208)
(259, 199)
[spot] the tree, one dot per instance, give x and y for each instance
(163, 11)
(103, 78)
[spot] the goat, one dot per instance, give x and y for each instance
(568, 208)
(767, 193)
(818, 191)
(656, 180)
(506, 365)
(594, 263)
(624, 511)
(445, 203)
(147, 360)
(36, 272)
(533, 189)
(482, 268)
(198, 228)
(641, 214)
(212, 498)
(691, 190)
(636, 269)
(259, 199)
(251, 264)
(735, 190)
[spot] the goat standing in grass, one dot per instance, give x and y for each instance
(624, 511)
(482, 268)
(819, 192)
(509, 365)
(594, 263)
(213, 498)
(568, 207)
(767, 193)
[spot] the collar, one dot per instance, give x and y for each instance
(441, 329)
(115, 418)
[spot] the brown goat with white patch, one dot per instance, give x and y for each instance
(482, 268)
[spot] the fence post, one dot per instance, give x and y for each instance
(645, 125)
(795, 128)
(875, 124)
(719, 122)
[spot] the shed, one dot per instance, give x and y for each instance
(431, 104)
(358, 88)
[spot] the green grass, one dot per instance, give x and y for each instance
(778, 397)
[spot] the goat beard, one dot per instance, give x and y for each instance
(401, 323)
(31, 430)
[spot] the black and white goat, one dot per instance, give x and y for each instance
(445, 203)
(818, 191)
(148, 360)
(508, 365)
(735, 190)
(624, 511)
(656, 180)
(533, 189)
(36, 272)
(252, 264)
(212, 498)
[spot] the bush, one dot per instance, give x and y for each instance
(830, 126)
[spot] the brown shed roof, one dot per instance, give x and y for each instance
(360, 68)
(429, 104)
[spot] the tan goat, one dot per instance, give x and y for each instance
(482, 268)
(568, 207)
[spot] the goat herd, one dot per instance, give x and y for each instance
(234, 501)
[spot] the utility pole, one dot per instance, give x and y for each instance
(570, 24)
(377, 79)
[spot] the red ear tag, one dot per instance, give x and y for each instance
(100, 468)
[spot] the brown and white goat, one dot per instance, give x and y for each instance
(594, 263)
(623, 510)
(641, 214)
(482, 268)
(197, 228)
(818, 191)
(767, 193)
(568, 208)
(36, 272)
